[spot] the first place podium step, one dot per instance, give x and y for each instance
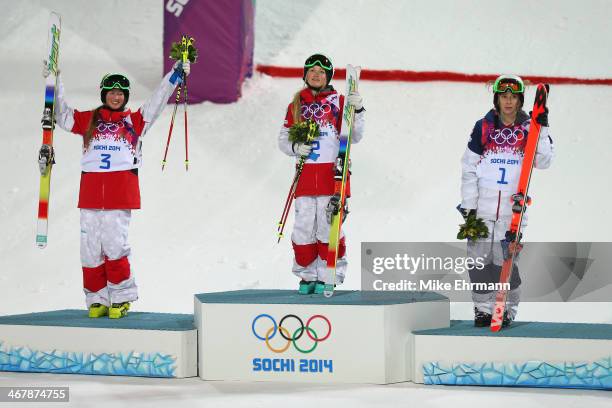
(279, 335)
(69, 342)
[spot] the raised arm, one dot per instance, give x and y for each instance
(153, 107)
(64, 114)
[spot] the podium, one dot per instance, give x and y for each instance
(280, 335)
(69, 342)
(525, 354)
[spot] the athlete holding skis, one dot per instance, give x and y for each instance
(109, 184)
(319, 101)
(491, 169)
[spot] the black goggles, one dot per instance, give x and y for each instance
(112, 81)
(320, 60)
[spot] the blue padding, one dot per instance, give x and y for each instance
(341, 297)
(132, 363)
(79, 318)
(588, 331)
(569, 374)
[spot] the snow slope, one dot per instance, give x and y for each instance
(214, 227)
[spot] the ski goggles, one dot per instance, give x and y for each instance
(508, 84)
(320, 60)
(112, 81)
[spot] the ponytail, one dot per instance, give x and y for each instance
(92, 125)
(296, 107)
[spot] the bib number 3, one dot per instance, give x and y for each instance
(105, 159)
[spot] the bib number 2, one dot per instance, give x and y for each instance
(313, 155)
(106, 164)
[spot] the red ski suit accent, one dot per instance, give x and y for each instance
(115, 189)
(317, 178)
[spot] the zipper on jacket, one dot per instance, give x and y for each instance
(498, 205)
(496, 219)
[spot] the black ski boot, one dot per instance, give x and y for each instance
(482, 319)
(507, 320)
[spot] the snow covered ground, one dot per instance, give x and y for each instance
(214, 228)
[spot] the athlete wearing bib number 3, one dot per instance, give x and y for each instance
(109, 191)
(491, 169)
(321, 103)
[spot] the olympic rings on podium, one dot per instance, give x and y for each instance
(285, 334)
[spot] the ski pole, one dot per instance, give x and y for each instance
(186, 132)
(313, 129)
(289, 201)
(186, 42)
(176, 103)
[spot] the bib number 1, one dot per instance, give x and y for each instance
(502, 179)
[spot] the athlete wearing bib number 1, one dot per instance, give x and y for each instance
(491, 168)
(112, 137)
(320, 102)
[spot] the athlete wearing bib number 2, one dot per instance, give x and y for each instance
(320, 102)
(491, 169)
(109, 191)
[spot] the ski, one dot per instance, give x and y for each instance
(46, 157)
(340, 179)
(311, 135)
(512, 242)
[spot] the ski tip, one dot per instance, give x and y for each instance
(495, 327)
(41, 242)
(328, 291)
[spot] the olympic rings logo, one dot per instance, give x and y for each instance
(507, 136)
(112, 127)
(315, 110)
(291, 338)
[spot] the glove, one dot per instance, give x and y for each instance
(182, 67)
(542, 118)
(334, 206)
(355, 100)
(45, 70)
(302, 149)
(466, 212)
